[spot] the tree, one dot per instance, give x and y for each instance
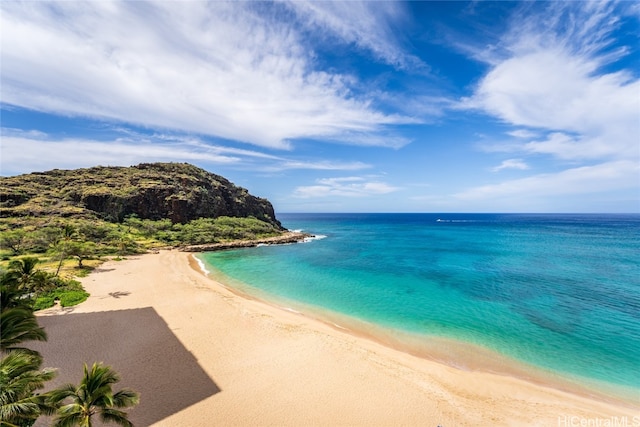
(17, 321)
(13, 239)
(18, 324)
(20, 376)
(10, 295)
(68, 232)
(20, 373)
(44, 238)
(94, 395)
(24, 270)
(81, 250)
(43, 281)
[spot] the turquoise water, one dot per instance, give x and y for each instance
(561, 292)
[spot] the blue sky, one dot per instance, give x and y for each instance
(337, 106)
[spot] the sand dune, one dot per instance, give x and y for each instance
(203, 356)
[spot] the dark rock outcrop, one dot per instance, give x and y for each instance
(284, 239)
(178, 191)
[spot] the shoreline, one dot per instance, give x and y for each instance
(200, 354)
(484, 359)
(286, 238)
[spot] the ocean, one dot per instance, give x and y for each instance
(557, 293)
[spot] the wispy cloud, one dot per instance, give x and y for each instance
(586, 179)
(522, 133)
(511, 164)
(214, 68)
(18, 148)
(369, 25)
(598, 188)
(344, 187)
(554, 81)
(318, 165)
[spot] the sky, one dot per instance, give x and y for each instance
(337, 106)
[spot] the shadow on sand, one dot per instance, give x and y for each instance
(139, 345)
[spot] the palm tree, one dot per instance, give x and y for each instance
(10, 295)
(23, 281)
(93, 396)
(18, 324)
(20, 376)
(24, 270)
(20, 373)
(42, 281)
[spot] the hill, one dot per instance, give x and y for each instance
(177, 191)
(85, 213)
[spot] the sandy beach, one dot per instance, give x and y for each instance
(201, 355)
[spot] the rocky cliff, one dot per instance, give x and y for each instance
(178, 191)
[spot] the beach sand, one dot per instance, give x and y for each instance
(201, 355)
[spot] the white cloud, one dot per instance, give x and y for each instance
(215, 68)
(318, 165)
(553, 90)
(622, 174)
(553, 81)
(369, 140)
(22, 155)
(28, 151)
(570, 147)
(344, 187)
(369, 25)
(522, 133)
(511, 164)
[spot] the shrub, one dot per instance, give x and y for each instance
(44, 301)
(69, 292)
(69, 298)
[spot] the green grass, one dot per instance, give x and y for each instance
(83, 271)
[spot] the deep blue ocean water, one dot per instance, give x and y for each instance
(561, 292)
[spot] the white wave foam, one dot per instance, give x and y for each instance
(201, 265)
(312, 238)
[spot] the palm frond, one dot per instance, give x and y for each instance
(126, 398)
(20, 376)
(18, 325)
(69, 419)
(93, 395)
(111, 415)
(16, 411)
(10, 295)
(57, 396)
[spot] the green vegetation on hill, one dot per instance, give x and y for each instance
(94, 237)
